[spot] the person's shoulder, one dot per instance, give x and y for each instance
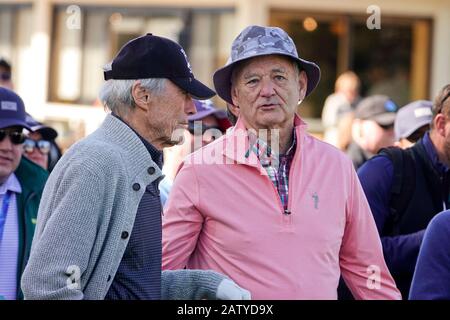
(94, 154)
(324, 148)
(441, 221)
(377, 162)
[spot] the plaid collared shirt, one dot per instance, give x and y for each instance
(276, 166)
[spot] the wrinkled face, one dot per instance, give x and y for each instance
(168, 112)
(376, 137)
(267, 90)
(10, 154)
(36, 155)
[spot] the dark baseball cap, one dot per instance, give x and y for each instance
(412, 117)
(378, 108)
(256, 41)
(12, 110)
(48, 133)
(151, 56)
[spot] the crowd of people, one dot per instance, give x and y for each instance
(175, 198)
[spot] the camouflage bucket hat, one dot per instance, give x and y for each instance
(256, 41)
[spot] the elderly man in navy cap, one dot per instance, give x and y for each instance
(278, 210)
(99, 228)
(21, 185)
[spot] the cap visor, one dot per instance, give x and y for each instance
(219, 114)
(385, 119)
(194, 87)
(6, 123)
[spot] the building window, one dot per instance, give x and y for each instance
(78, 55)
(393, 60)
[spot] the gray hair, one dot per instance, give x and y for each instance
(116, 94)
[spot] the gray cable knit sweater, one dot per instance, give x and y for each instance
(89, 203)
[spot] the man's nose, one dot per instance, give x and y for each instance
(189, 107)
(6, 144)
(268, 88)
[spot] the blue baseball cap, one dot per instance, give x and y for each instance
(256, 41)
(12, 110)
(412, 117)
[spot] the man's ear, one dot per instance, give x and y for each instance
(439, 124)
(140, 95)
(234, 109)
(303, 84)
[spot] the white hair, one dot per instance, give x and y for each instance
(116, 94)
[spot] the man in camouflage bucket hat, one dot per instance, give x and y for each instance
(283, 224)
(258, 41)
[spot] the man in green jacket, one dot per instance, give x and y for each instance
(21, 186)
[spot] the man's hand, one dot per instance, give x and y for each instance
(229, 290)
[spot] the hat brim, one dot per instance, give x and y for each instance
(6, 123)
(417, 126)
(222, 76)
(219, 114)
(194, 87)
(46, 132)
(384, 119)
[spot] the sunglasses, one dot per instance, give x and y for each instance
(5, 76)
(16, 137)
(42, 145)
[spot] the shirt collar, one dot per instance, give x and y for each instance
(11, 184)
(263, 150)
(432, 153)
(156, 155)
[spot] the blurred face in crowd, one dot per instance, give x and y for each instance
(5, 78)
(36, 149)
(203, 132)
(374, 137)
(267, 90)
(10, 151)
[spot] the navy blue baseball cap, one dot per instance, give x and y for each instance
(12, 110)
(151, 56)
(256, 41)
(48, 133)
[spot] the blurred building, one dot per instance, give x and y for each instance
(58, 47)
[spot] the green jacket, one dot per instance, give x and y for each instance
(32, 180)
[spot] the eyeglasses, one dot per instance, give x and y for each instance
(16, 137)
(5, 76)
(42, 145)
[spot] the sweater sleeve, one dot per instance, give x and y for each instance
(65, 234)
(182, 221)
(400, 251)
(190, 284)
(361, 257)
(431, 279)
